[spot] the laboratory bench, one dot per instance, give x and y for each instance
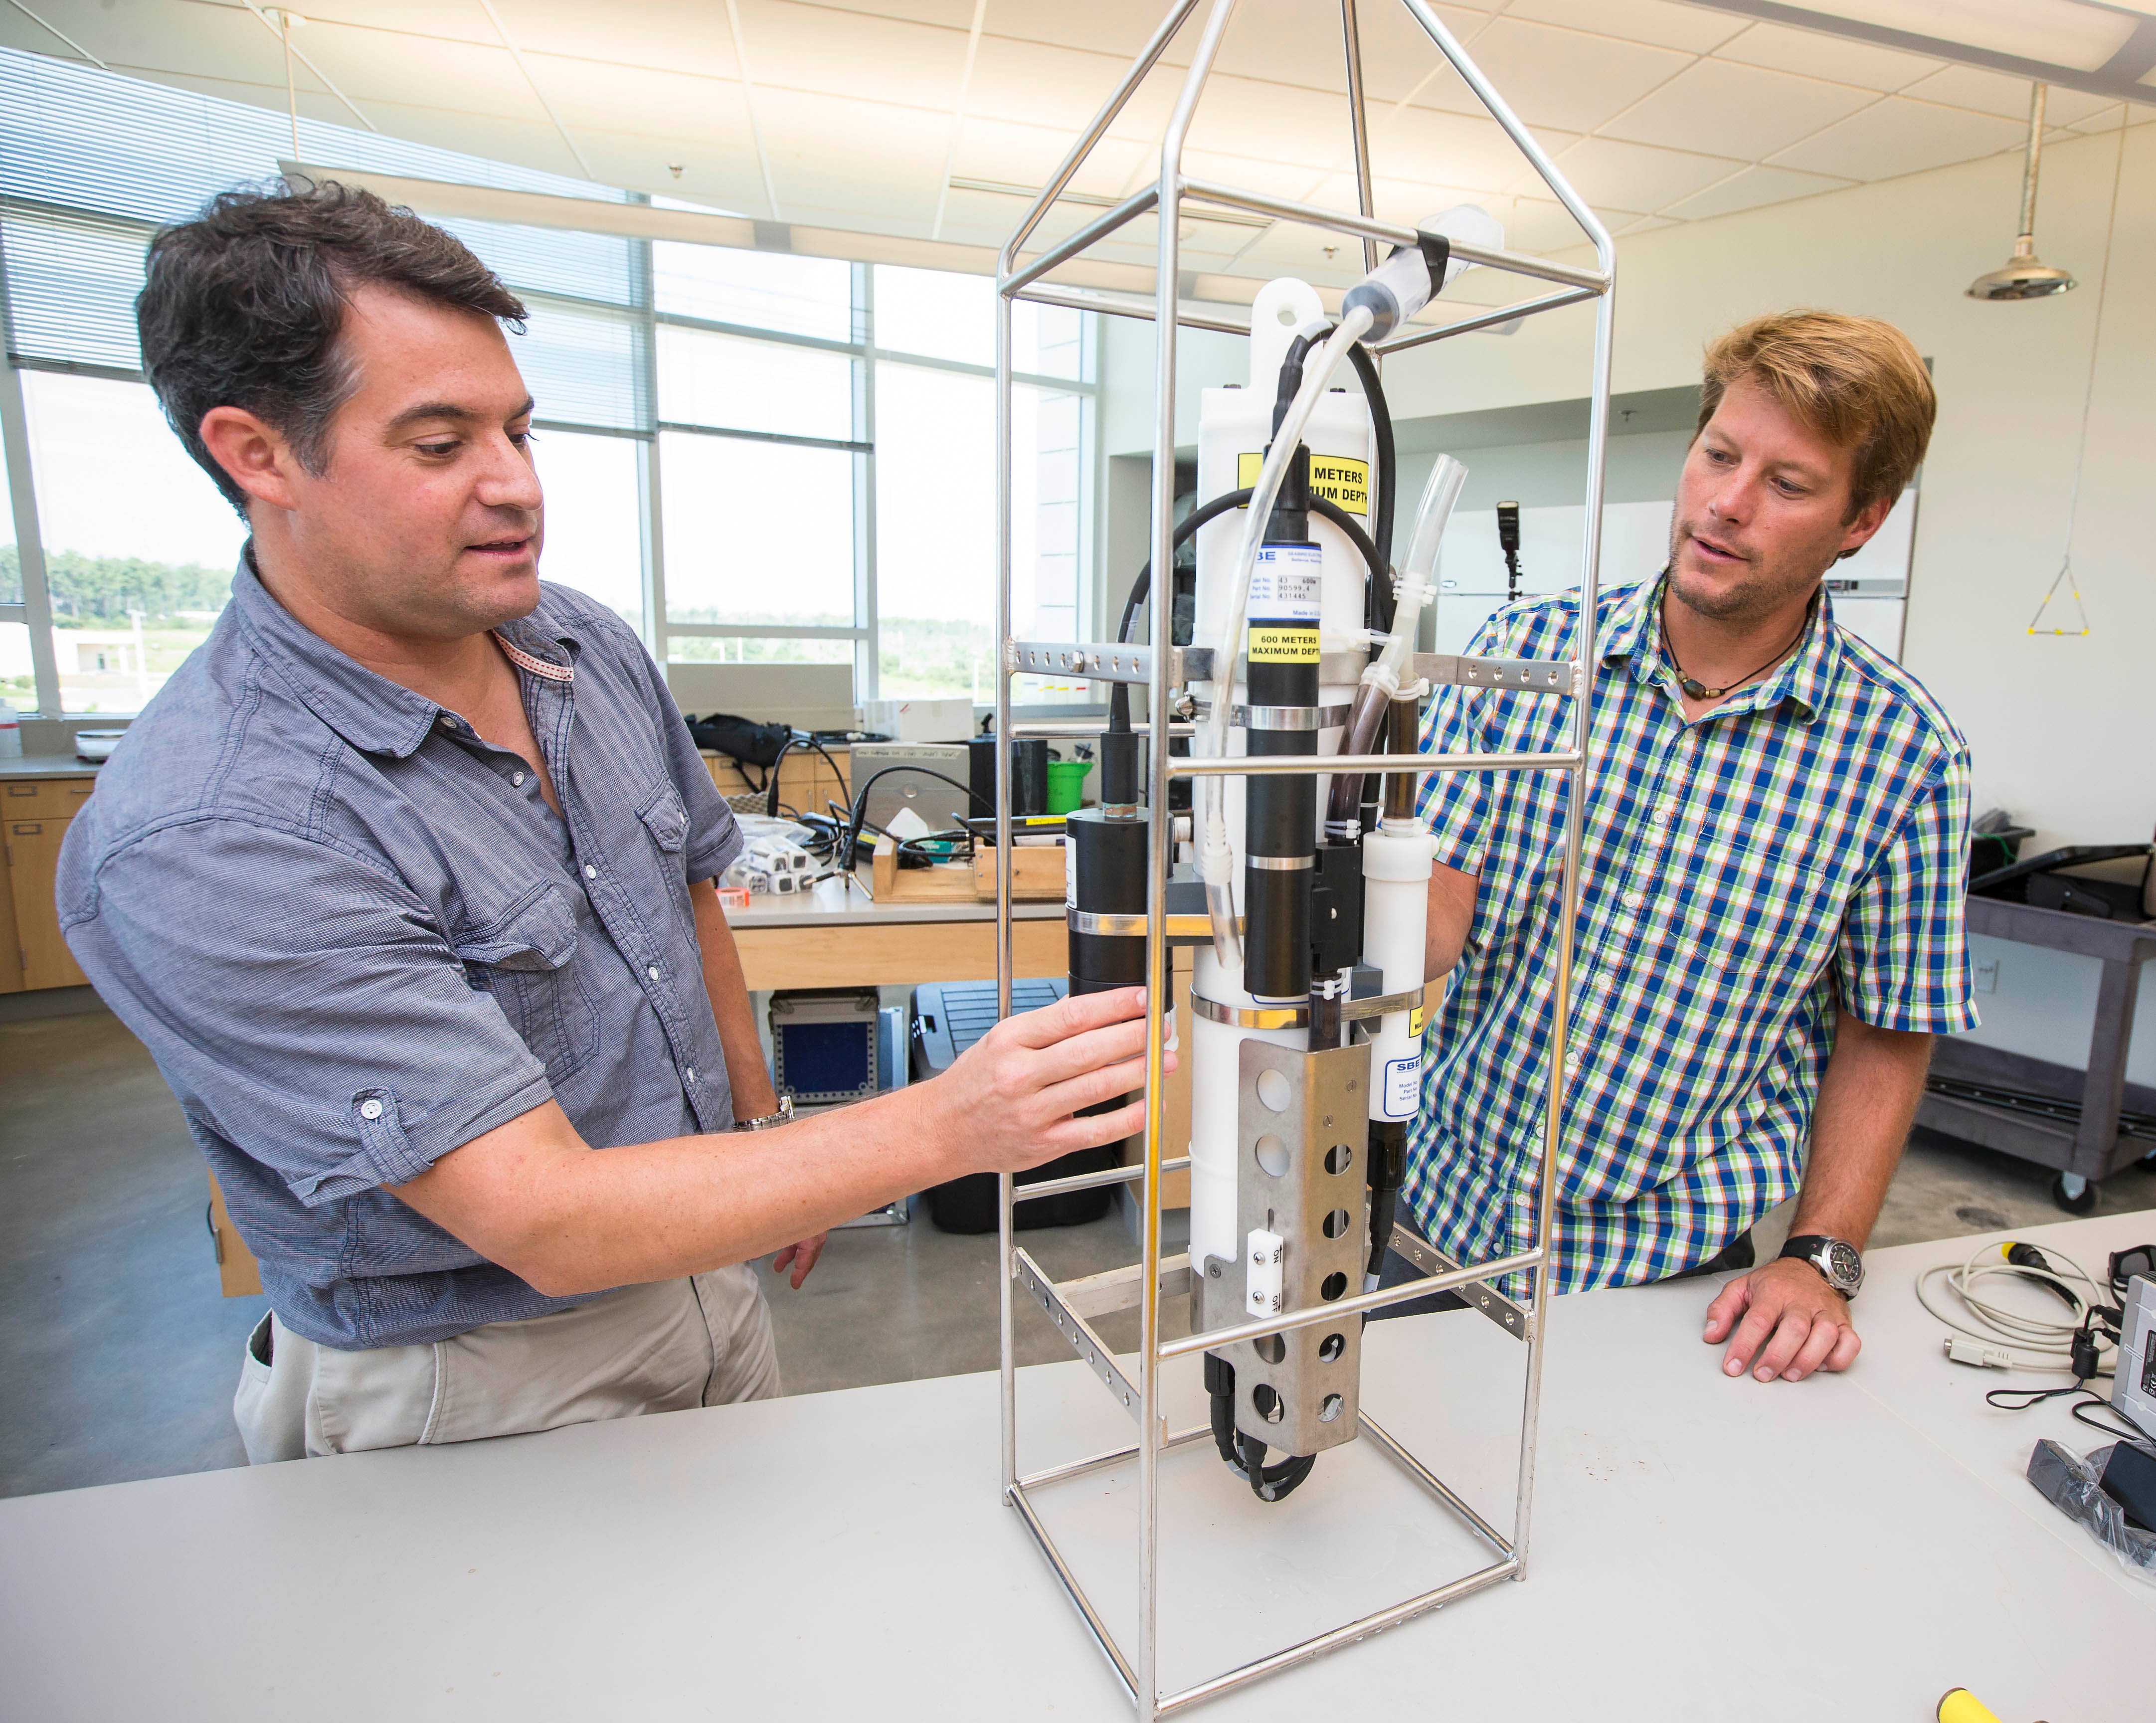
(1701, 1548)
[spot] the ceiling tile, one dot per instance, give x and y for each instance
(1817, 54)
(1661, 22)
(2108, 118)
(839, 153)
(637, 101)
(675, 35)
(1633, 177)
(874, 60)
(1996, 92)
(951, 14)
(1273, 179)
(1240, 116)
(1540, 225)
(717, 176)
(1750, 189)
(1720, 107)
(1116, 28)
(452, 20)
(1564, 79)
(1407, 203)
(529, 143)
(313, 103)
(1641, 224)
(200, 42)
(1897, 136)
(1041, 85)
(1009, 153)
(382, 66)
(1431, 148)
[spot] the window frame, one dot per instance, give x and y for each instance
(646, 319)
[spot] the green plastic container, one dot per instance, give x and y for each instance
(1066, 784)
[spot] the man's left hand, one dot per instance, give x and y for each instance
(1789, 1310)
(800, 1258)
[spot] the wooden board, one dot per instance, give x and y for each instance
(1037, 873)
(852, 954)
(940, 883)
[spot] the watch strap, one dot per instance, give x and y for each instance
(1814, 1248)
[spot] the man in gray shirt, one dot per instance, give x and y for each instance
(405, 880)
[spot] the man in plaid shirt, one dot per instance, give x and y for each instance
(1770, 915)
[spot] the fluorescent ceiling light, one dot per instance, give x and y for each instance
(2089, 45)
(2062, 32)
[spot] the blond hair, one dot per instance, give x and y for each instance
(1855, 381)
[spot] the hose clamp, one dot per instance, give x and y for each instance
(1124, 926)
(1240, 717)
(1298, 1016)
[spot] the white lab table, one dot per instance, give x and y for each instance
(1703, 1548)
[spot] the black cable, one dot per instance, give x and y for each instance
(1381, 529)
(814, 743)
(861, 800)
(1379, 574)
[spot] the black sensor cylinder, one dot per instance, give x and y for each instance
(1280, 812)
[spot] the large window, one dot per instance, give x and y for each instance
(139, 546)
(748, 455)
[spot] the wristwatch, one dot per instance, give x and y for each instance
(770, 1121)
(1838, 1260)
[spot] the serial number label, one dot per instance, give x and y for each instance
(1340, 478)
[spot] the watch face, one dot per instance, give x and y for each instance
(1847, 1266)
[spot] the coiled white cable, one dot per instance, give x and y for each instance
(2034, 1342)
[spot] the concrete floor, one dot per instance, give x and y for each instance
(120, 1357)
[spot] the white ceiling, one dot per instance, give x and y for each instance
(903, 117)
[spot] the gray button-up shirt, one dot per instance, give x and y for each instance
(354, 937)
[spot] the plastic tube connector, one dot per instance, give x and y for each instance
(1401, 285)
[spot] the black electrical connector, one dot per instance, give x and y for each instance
(1508, 541)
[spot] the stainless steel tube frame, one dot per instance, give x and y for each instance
(1164, 199)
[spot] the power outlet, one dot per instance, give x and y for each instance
(1987, 975)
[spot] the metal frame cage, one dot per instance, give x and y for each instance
(1071, 1305)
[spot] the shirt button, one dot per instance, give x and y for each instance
(653, 971)
(370, 1110)
(691, 1074)
(590, 872)
(1635, 901)
(517, 778)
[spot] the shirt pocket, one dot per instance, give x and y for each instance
(665, 819)
(525, 960)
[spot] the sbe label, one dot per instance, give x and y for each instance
(1288, 583)
(1340, 478)
(1273, 645)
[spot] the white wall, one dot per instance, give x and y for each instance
(2062, 730)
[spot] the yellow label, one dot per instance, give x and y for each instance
(1414, 1020)
(1274, 645)
(1340, 480)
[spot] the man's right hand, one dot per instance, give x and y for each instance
(1009, 1102)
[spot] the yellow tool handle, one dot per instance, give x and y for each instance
(1962, 1706)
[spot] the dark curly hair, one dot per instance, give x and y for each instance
(241, 306)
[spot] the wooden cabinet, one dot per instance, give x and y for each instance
(805, 781)
(34, 819)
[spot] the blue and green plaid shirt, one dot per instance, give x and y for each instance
(1806, 840)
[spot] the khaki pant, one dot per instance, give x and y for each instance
(665, 1347)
